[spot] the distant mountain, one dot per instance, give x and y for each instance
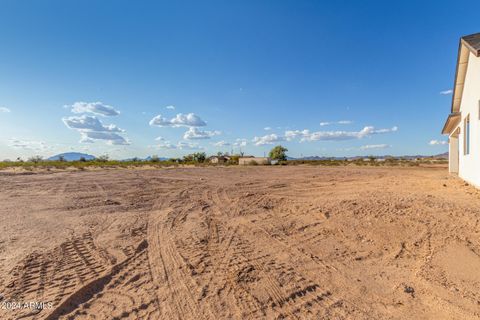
(160, 158)
(318, 158)
(146, 159)
(71, 156)
(442, 155)
(438, 156)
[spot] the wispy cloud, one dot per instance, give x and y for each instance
(180, 120)
(221, 144)
(4, 110)
(267, 128)
(328, 123)
(97, 108)
(375, 146)
(28, 145)
(306, 135)
(194, 133)
(268, 139)
(164, 145)
(91, 129)
(110, 137)
(446, 92)
(437, 142)
(170, 107)
(182, 145)
(159, 139)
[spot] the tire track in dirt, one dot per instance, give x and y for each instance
(167, 273)
(53, 276)
(280, 297)
(127, 284)
(273, 243)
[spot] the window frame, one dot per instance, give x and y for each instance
(466, 135)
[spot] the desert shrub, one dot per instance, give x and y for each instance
(233, 160)
(253, 163)
(35, 159)
(194, 158)
(199, 157)
(102, 158)
(154, 158)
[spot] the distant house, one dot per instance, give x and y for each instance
(218, 159)
(249, 160)
(463, 123)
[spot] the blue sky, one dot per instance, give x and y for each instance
(135, 78)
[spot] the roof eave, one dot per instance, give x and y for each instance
(452, 121)
(465, 42)
(474, 50)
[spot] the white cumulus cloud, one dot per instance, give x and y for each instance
(89, 123)
(194, 133)
(91, 129)
(240, 142)
(97, 108)
(170, 107)
(180, 120)
(293, 134)
(4, 110)
(267, 128)
(110, 137)
(306, 135)
(267, 139)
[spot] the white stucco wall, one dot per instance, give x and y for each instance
(453, 155)
(469, 165)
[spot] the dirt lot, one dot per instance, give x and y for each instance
(221, 243)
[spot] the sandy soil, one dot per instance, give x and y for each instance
(244, 243)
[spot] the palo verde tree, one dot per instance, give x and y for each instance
(278, 153)
(197, 157)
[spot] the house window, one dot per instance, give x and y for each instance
(466, 136)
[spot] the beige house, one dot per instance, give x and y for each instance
(249, 160)
(463, 123)
(218, 159)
